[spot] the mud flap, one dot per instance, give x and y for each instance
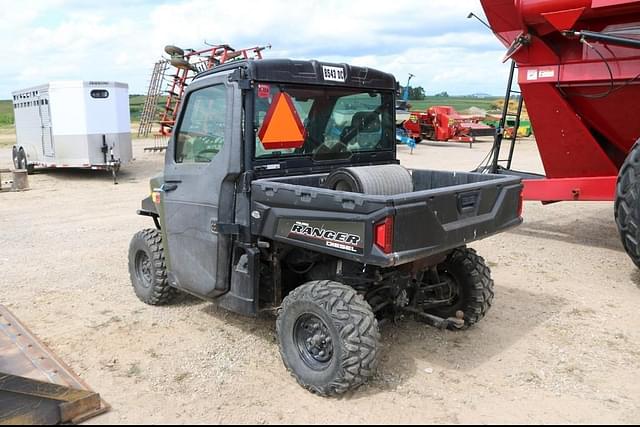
(243, 296)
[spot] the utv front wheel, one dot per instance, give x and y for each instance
(470, 287)
(329, 338)
(148, 270)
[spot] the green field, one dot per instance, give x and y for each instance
(6, 113)
(459, 103)
(136, 103)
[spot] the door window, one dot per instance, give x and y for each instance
(201, 134)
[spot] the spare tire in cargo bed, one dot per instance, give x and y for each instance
(384, 180)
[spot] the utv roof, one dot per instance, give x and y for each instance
(306, 72)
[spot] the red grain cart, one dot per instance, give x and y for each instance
(579, 73)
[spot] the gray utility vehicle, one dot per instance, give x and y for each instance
(325, 228)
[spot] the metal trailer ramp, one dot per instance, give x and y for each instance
(35, 386)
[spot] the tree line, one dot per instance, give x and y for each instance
(418, 93)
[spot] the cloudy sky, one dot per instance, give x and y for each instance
(44, 40)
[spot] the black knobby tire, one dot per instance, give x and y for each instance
(148, 270)
(351, 353)
(473, 283)
(383, 180)
(627, 204)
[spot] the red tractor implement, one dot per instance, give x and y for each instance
(578, 68)
(184, 64)
(443, 123)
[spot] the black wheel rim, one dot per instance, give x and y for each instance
(144, 269)
(314, 342)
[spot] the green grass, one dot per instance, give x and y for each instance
(6, 113)
(136, 104)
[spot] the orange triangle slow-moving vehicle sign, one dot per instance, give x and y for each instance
(282, 127)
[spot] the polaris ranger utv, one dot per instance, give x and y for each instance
(282, 192)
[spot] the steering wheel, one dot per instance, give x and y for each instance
(339, 147)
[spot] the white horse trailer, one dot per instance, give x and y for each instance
(73, 124)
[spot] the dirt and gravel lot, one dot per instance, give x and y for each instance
(561, 344)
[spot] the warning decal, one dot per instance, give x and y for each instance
(282, 127)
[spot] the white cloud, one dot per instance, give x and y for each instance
(120, 40)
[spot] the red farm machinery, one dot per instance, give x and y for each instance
(442, 123)
(172, 75)
(577, 64)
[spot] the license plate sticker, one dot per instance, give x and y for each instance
(334, 74)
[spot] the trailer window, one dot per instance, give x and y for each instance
(100, 94)
(201, 134)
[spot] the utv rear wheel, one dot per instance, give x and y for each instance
(627, 205)
(148, 270)
(471, 286)
(329, 337)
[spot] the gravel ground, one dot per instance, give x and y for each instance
(561, 344)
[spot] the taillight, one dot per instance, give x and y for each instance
(383, 235)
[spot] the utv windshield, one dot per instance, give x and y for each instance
(331, 123)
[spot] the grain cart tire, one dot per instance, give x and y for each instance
(627, 205)
(174, 50)
(471, 283)
(148, 270)
(14, 156)
(384, 180)
(329, 337)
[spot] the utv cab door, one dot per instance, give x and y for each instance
(202, 164)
